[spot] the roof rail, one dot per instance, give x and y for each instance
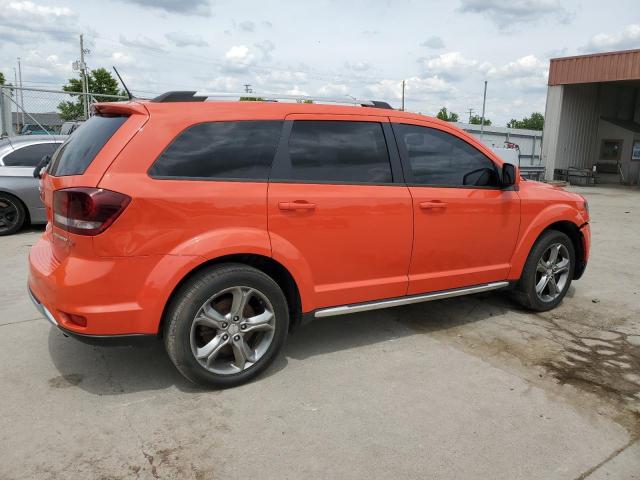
(191, 96)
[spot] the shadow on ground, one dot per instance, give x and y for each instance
(119, 370)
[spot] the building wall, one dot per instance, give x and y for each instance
(553, 109)
(577, 134)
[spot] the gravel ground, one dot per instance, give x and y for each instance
(471, 387)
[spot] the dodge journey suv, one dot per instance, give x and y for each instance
(221, 226)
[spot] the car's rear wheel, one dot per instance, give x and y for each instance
(225, 325)
(12, 214)
(548, 272)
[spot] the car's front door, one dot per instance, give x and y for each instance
(466, 225)
(334, 207)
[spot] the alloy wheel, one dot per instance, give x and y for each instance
(232, 330)
(9, 214)
(552, 272)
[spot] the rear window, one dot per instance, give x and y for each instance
(77, 153)
(221, 150)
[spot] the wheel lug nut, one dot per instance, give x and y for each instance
(236, 318)
(224, 324)
(236, 338)
(225, 336)
(243, 326)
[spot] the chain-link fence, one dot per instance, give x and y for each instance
(25, 111)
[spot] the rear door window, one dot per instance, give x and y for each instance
(77, 153)
(328, 151)
(222, 151)
(30, 155)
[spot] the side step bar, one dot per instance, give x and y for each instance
(395, 302)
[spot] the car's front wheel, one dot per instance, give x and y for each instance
(226, 325)
(548, 272)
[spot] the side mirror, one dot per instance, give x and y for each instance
(42, 164)
(509, 175)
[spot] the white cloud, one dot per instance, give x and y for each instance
(434, 42)
(628, 38)
(333, 89)
(141, 42)
(20, 18)
(247, 26)
(359, 66)
(184, 39)
(421, 86)
(265, 47)
(185, 7)
(239, 58)
(121, 58)
(450, 65)
(297, 91)
(224, 84)
(38, 66)
(526, 73)
(506, 14)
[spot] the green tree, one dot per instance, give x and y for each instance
(2, 80)
(477, 120)
(447, 116)
(100, 81)
(251, 99)
(533, 122)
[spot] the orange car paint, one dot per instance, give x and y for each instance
(351, 243)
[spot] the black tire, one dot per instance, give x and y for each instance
(525, 291)
(188, 300)
(12, 214)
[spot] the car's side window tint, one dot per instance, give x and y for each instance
(440, 159)
(29, 156)
(339, 151)
(221, 150)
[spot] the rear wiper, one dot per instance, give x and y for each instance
(42, 164)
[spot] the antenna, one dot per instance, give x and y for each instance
(123, 84)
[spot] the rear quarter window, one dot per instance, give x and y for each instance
(221, 151)
(76, 154)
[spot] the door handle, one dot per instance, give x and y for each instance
(297, 205)
(432, 204)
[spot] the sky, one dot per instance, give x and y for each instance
(444, 50)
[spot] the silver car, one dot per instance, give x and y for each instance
(20, 202)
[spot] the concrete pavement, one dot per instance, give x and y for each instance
(463, 388)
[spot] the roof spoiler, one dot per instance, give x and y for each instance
(119, 108)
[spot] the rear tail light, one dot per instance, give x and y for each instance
(87, 211)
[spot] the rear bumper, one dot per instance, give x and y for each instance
(102, 340)
(115, 296)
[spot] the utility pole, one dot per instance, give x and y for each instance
(21, 92)
(247, 88)
(470, 114)
(15, 84)
(402, 95)
(484, 103)
(83, 75)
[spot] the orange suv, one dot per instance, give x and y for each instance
(221, 226)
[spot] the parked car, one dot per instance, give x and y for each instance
(20, 201)
(69, 127)
(34, 129)
(221, 226)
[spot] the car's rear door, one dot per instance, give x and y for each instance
(466, 225)
(339, 207)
